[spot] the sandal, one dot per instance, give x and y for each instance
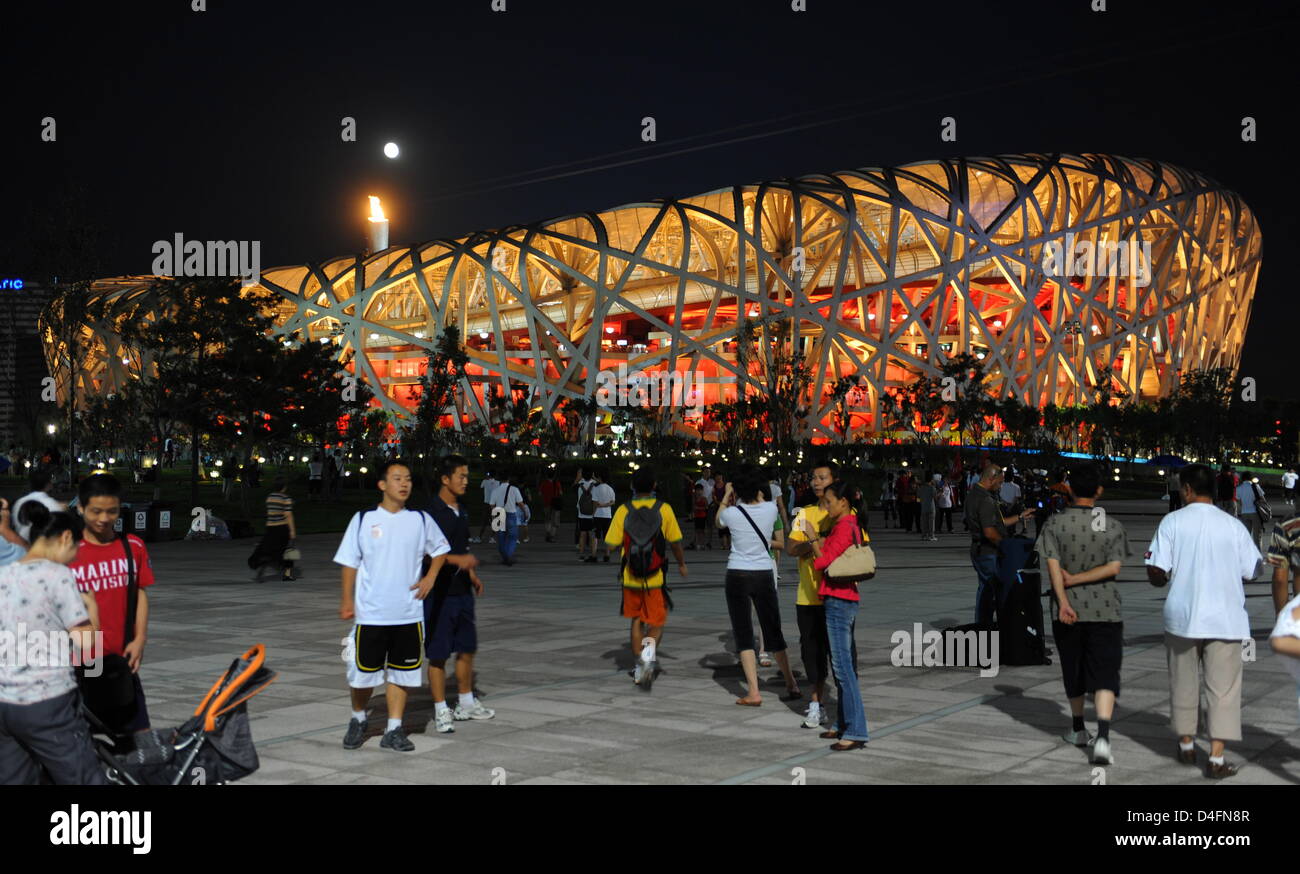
(845, 745)
(829, 734)
(792, 695)
(744, 703)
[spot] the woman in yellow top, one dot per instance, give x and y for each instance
(281, 532)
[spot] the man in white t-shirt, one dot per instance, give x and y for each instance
(384, 585)
(1205, 555)
(603, 495)
(1288, 485)
(507, 499)
(706, 480)
(489, 489)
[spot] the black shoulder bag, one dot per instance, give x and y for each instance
(111, 695)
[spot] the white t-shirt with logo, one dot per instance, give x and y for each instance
(748, 552)
(604, 493)
(1207, 553)
(1288, 480)
(507, 496)
(387, 552)
(582, 486)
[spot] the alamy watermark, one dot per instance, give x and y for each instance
(1127, 259)
(24, 647)
(207, 258)
(945, 649)
(638, 388)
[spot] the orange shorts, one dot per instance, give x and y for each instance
(648, 605)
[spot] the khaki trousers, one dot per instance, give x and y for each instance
(1217, 664)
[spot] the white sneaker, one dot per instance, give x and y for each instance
(1077, 738)
(636, 673)
(478, 711)
(444, 721)
(1101, 752)
(814, 718)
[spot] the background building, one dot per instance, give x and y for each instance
(878, 274)
(23, 415)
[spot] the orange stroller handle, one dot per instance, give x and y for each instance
(216, 702)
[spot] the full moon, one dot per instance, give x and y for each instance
(390, 149)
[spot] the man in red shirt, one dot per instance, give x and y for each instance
(101, 568)
(551, 492)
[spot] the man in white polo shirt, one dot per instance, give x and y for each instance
(490, 485)
(381, 553)
(1205, 555)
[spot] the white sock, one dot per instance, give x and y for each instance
(467, 700)
(1216, 760)
(392, 724)
(1187, 747)
(359, 714)
(440, 706)
(814, 707)
(648, 649)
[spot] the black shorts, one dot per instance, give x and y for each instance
(701, 523)
(450, 620)
(602, 526)
(400, 647)
(586, 523)
(1090, 653)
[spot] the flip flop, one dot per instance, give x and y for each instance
(743, 703)
(796, 695)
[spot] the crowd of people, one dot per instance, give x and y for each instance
(410, 583)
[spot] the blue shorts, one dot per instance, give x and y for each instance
(449, 624)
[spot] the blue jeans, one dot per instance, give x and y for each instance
(507, 540)
(988, 599)
(841, 616)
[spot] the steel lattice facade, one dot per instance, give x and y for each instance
(878, 273)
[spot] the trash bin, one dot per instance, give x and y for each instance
(158, 522)
(137, 520)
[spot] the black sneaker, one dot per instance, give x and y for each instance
(397, 740)
(356, 735)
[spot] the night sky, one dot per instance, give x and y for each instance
(225, 124)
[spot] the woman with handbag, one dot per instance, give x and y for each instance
(750, 523)
(844, 558)
(278, 543)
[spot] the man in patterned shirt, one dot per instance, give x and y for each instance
(1081, 550)
(1284, 556)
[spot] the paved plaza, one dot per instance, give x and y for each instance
(554, 662)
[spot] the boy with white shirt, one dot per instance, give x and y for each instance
(383, 589)
(490, 485)
(1205, 555)
(508, 498)
(603, 495)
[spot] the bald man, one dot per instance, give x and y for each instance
(988, 528)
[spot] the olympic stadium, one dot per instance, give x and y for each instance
(1070, 276)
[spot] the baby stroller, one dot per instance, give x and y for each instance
(214, 746)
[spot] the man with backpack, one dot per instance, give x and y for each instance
(644, 528)
(585, 485)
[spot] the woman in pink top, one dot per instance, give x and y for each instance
(841, 600)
